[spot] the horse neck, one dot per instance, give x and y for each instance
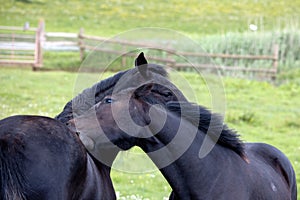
(98, 175)
(98, 184)
(105, 157)
(179, 161)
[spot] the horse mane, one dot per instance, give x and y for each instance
(104, 87)
(208, 122)
(91, 96)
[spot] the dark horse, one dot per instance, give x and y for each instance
(41, 159)
(172, 132)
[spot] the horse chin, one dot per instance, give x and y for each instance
(87, 142)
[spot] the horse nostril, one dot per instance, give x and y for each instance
(70, 122)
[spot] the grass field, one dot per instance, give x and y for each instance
(108, 18)
(259, 111)
(218, 26)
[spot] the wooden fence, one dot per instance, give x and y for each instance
(15, 54)
(169, 60)
(21, 46)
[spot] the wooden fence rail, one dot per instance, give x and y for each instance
(14, 54)
(270, 71)
(170, 61)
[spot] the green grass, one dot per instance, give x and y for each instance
(67, 61)
(259, 111)
(112, 17)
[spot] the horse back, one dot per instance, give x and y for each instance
(266, 157)
(40, 159)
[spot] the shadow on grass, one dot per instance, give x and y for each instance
(30, 2)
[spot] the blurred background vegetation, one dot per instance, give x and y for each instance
(192, 17)
(237, 27)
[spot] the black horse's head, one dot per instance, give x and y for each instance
(122, 119)
(122, 80)
(136, 90)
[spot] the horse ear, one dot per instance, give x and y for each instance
(140, 60)
(141, 64)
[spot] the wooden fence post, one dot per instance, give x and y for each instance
(275, 60)
(38, 52)
(81, 43)
(123, 59)
(170, 55)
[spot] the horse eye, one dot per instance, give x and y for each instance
(108, 100)
(168, 94)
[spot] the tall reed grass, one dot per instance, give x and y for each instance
(256, 43)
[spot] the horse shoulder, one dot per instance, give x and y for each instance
(269, 154)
